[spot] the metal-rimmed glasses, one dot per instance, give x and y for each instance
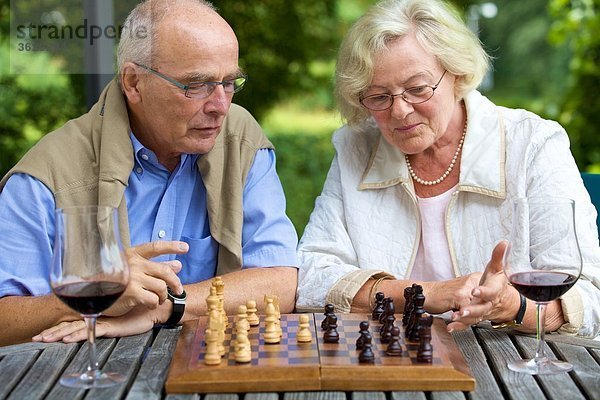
(413, 95)
(201, 90)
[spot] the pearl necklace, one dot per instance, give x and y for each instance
(441, 178)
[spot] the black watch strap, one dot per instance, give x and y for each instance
(518, 319)
(178, 308)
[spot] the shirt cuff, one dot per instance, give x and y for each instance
(343, 291)
(572, 308)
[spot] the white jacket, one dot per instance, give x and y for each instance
(366, 221)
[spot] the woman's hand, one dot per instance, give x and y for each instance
(442, 296)
(493, 299)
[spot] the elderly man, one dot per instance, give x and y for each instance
(193, 177)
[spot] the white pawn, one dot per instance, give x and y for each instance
(304, 335)
(271, 330)
(252, 317)
(242, 319)
(243, 350)
(211, 356)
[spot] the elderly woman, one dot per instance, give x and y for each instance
(424, 177)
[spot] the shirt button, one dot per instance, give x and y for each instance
(161, 234)
(145, 157)
(138, 170)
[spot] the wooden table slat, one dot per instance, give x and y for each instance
(486, 386)
(314, 396)
(79, 364)
(150, 380)
(13, 367)
(367, 396)
(261, 396)
(585, 372)
(408, 396)
(178, 396)
(558, 386)
(499, 350)
(42, 376)
(221, 396)
(447, 396)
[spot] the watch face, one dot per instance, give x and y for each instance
(172, 294)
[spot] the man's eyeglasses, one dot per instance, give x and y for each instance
(201, 90)
(414, 95)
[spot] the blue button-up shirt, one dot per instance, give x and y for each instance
(161, 205)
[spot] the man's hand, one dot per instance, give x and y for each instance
(493, 299)
(138, 320)
(149, 279)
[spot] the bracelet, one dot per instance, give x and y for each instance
(374, 289)
(518, 321)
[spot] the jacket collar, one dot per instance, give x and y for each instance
(482, 161)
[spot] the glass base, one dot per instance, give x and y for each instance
(540, 366)
(88, 381)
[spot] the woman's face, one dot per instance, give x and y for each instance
(412, 128)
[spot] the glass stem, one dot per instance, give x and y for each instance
(540, 316)
(92, 369)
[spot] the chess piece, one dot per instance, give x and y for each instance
(272, 334)
(408, 297)
(243, 349)
(220, 287)
(303, 335)
(386, 333)
(383, 314)
(378, 309)
(366, 355)
(364, 329)
(212, 299)
(242, 319)
(211, 355)
(413, 324)
(394, 348)
(215, 323)
(425, 350)
(252, 317)
(331, 334)
(329, 311)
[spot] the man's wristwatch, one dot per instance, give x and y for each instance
(517, 321)
(178, 308)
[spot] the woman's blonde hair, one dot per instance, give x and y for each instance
(437, 27)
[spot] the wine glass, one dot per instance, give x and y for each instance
(88, 273)
(543, 261)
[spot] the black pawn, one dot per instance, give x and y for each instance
(331, 334)
(385, 303)
(364, 330)
(378, 309)
(366, 355)
(328, 312)
(394, 348)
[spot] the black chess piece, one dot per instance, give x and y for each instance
(388, 326)
(413, 324)
(425, 350)
(329, 311)
(378, 309)
(394, 348)
(364, 329)
(366, 355)
(384, 305)
(408, 297)
(331, 334)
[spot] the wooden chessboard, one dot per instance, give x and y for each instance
(291, 366)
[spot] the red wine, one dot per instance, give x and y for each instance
(89, 298)
(542, 286)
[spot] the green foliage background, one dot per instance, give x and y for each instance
(546, 59)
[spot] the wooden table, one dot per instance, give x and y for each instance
(32, 370)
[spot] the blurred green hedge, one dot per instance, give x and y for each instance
(302, 165)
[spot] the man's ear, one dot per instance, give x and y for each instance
(131, 82)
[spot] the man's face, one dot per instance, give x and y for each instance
(165, 120)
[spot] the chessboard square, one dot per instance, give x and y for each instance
(300, 360)
(273, 354)
(341, 352)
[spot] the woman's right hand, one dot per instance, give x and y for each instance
(442, 296)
